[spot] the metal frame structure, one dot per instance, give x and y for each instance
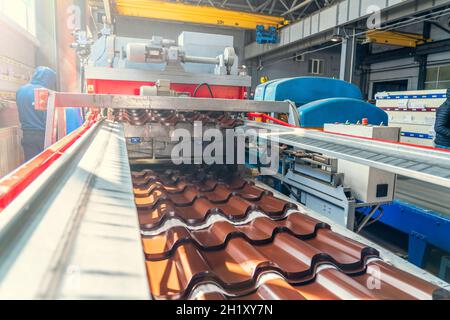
(395, 38)
(137, 75)
(198, 13)
(284, 8)
(51, 101)
(424, 227)
(94, 162)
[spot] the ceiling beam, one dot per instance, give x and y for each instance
(190, 13)
(297, 7)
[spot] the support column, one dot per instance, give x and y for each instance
(70, 15)
(423, 59)
(417, 249)
(46, 54)
(348, 54)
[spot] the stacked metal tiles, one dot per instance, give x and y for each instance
(209, 234)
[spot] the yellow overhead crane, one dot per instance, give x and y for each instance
(182, 12)
(396, 38)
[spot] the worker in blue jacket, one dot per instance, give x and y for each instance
(442, 126)
(31, 120)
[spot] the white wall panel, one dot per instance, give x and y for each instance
(307, 27)
(394, 2)
(354, 9)
(365, 4)
(328, 18)
(297, 31)
(343, 12)
(315, 23)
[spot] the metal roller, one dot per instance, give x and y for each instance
(136, 52)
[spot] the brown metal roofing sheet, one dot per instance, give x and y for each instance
(258, 231)
(169, 197)
(328, 284)
(240, 262)
(172, 118)
(311, 261)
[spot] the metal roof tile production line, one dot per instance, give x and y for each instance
(282, 255)
(231, 158)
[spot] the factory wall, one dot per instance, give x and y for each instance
(408, 68)
(46, 55)
(288, 67)
(17, 57)
(17, 61)
(401, 69)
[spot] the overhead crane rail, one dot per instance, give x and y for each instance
(181, 12)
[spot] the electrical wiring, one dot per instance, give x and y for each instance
(202, 85)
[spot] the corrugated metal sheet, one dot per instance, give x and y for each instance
(282, 254)
(172, 118)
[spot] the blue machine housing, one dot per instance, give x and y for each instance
(269, 35)
(322, 100)
(304, 90)
(316, 114)
(424, 228)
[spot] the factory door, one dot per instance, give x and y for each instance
(389, 86)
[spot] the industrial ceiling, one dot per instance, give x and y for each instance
(259, 11)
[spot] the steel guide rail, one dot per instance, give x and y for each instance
(182, 104)
(74, 232)
(421, 163)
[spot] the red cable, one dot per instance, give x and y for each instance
(267, 117)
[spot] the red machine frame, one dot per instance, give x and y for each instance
(100, 86)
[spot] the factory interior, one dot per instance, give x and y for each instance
(225, 150)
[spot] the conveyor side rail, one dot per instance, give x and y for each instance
(425, 164)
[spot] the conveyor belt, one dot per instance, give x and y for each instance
(429, 165)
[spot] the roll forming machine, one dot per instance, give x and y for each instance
(69, 226)
(97, 214)
(123, 65)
